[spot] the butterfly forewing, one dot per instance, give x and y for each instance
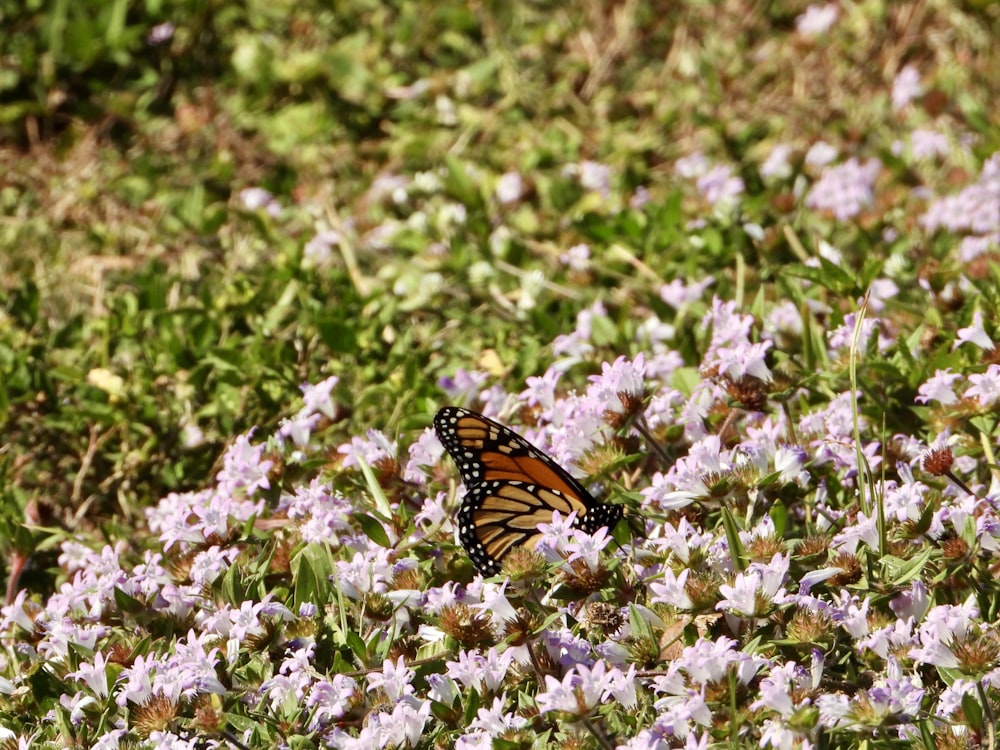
(511, 488)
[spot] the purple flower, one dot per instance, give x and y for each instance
(510, 188)
(323, 515)
(568, 649)
(906, 87)
(756, 590)
(694, 165)
(464, 386)
(495, 720)
(580, 690)
(426, 450)
(404, 726)
(720, 186)
(622, 377)
(896, 637)
(329, 699)
(911, 604)
(108, 741)
(596, 176)
(474, 741)
(443, 688)
(820, 154)
(677, 294)
(975, 209)
(495, 603)
(741, 359)
(671, 591)
(929, 144)
(777, 166)
(555, 534)
(162, 32)
(939, 388)
(318, 398)
(209, 564)
(985, 388)
(298, 429)
(376, 447)
(541, 391)
(367, 572)
(256, 198)
(639, 198)
(318, 252)
(573, 347)
(244, 467)
(707, 661)
(94, 675)
(587, 547)
(61, 633)
(776, 689)
(951, 698)
(394, 679)
(481, 673)
(863, 529)
(137, 681)
(846, 189)
(577, 258)
(974, 334)
(780, 736)
(817, 19)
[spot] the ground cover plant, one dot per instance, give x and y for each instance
(733, 265)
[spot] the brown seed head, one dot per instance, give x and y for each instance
(938, 461)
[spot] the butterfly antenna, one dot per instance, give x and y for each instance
(642, 427)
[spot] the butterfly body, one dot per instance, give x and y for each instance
(511, 488)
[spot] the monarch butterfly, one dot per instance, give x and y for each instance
(511, 488)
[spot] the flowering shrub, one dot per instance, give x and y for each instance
(783, 367)
(788, 572)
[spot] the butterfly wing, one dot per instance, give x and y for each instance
(511, 488)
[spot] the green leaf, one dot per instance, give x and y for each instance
(127, 603)
(373, 530)
(899, 572)
(311, 570)
(733, 537)
(472, 703)
(459, 184)
(827, 275)
(779, 515)
(973, 712)
(357, 645)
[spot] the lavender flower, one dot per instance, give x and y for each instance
(719, 186)
(974, 334)
(817, 19)
(394, 680)
(162, 32)
(906, 87)
(595, 176)
(846, 189)
(975, 209)
(939, 388)
(257, 198)
(509, 188)
(985, 388)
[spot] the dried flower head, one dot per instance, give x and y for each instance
(468, 627)
(938, 461)
(155, 715)
(749, 392)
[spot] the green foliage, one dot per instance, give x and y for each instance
(148, 315)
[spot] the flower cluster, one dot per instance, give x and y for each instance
(752, 580)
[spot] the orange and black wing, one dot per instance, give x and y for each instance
(511, 488)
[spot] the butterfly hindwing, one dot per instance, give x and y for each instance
(511, 488)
